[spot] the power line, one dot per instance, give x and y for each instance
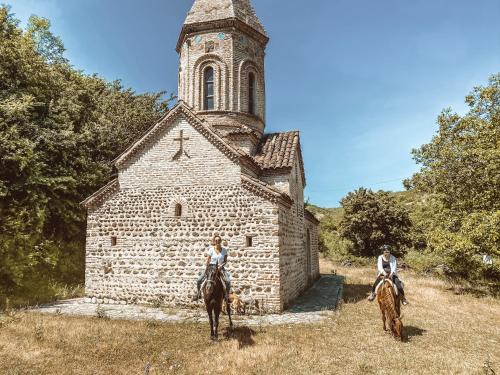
(357, 185)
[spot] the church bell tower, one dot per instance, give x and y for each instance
(221, 71)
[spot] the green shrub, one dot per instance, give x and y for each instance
(423, 261)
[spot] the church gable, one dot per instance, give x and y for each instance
(179, 151)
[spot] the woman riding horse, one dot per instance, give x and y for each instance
(387, 268)
(216, 254)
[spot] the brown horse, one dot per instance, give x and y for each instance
(213, 294)
(390, 307)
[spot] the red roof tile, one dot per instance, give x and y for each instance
(277, 150)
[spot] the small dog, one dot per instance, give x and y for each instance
(236, 304)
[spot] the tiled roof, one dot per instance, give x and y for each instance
(277, 150)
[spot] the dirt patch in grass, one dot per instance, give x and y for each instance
(447, 334)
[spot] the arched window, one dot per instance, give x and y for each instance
(178, 210)
(208, 78)
(251, 93)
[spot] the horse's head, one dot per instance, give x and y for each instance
(211, 277)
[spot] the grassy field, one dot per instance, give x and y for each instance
(447, 334)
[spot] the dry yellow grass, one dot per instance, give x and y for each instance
(448, 334)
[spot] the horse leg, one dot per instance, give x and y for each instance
(217, 311)
(211, 319)
(229, 316)
(384, 322)
(382, 311)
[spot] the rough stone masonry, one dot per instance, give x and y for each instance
(206, 168)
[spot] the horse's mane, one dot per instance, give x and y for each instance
(387, 298)
(213, 273)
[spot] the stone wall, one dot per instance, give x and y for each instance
(299, 262)
(314, 249)
(161, 165)
(157, 256)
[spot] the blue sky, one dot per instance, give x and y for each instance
(362, 80)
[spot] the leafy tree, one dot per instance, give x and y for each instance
(59, 130)
(372, 219)
(460, 172)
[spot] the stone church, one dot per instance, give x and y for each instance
(207, 167)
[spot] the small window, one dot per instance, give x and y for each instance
(249, 241)
(208, 78)
(251, 93)
(113, 241)
(178, 210)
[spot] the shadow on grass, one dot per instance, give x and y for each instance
(411, 331)
(244, 335)
(354, 293)
(478, 292)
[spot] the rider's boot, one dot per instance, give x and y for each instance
(404, 301)
(371, 297)
(197, 296)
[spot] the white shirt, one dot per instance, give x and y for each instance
(392, 262)
(216, 258)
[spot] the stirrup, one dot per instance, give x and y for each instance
(197, 296)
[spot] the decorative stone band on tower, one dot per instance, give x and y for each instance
(206, 168)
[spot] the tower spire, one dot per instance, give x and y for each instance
(211, 10)
(204, 13)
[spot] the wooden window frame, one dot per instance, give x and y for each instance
(251, 93)
(206, 83)
(249, 241)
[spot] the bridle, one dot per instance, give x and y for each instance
(211, 275)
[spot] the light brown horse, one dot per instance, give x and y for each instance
(390, 307)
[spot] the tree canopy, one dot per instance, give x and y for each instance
(460, 171)
(59, 130)
(372, 219)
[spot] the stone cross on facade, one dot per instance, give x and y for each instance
(181, 140)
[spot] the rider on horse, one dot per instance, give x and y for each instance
(216, 254)
(387, 268)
